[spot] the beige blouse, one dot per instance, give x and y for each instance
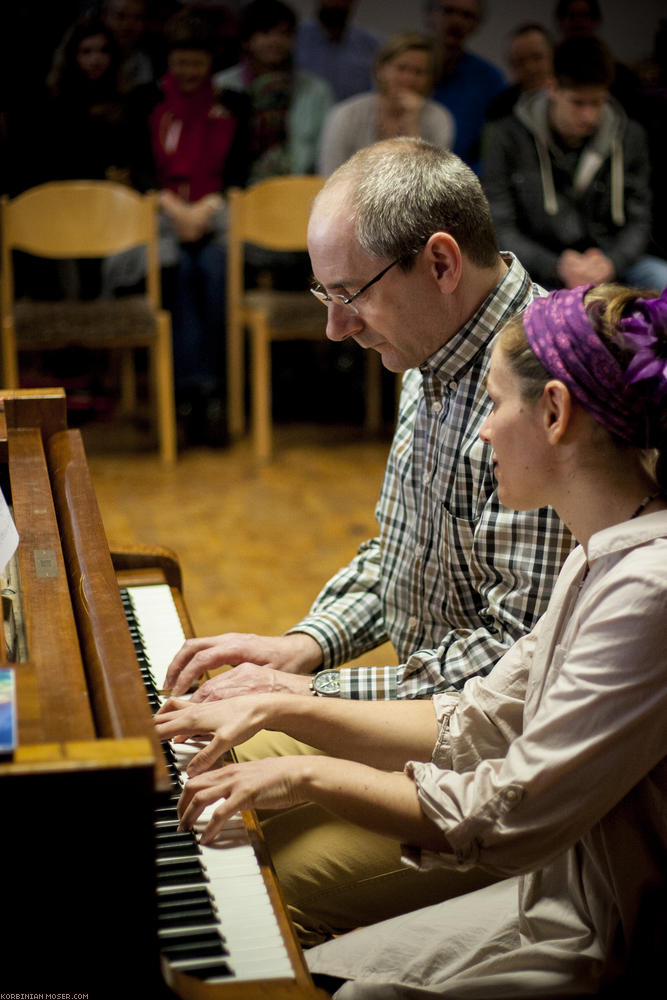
(554, 769)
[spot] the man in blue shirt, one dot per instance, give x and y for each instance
(330, 46)
(468, 84)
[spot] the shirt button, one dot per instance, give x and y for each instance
(437, 407)
(419, 550)
(453, 384)
(412, 622)
(426, 479)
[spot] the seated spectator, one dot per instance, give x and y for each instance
(654, 116)
(583, 19)
(531, 58)
(404, 74)
(332, 47)
(551, 770)
(567, 178)
(467, 83)
(126, 20)
(82, 132)
(185, 146)
(287, 106)
(85, 129)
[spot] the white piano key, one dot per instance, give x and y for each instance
(160, 626)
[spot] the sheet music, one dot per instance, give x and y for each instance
(9, 538)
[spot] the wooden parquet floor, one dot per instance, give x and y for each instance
(255, 543)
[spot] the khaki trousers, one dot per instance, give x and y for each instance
(336, 876)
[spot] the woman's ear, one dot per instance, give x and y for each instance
(443, 256)
(556, 410)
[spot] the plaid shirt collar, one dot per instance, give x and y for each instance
(451, 361)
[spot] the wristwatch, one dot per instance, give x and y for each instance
(326, 684)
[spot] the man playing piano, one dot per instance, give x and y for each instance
(406, 263)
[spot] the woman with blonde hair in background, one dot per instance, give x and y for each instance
(404, 72)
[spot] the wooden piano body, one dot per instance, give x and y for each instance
(78, 794)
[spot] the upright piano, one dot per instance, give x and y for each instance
(101, 895)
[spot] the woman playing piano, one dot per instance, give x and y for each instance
(551, 772)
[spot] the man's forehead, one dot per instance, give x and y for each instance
(467, 7)
(331, 223)
(583, 93)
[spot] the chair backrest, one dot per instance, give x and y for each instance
(70, 219)
(273, 214)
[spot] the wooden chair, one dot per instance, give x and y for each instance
(89, 219)
(273, 214)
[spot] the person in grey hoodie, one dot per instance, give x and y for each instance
(567, 179)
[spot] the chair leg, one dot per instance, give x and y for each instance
(128, 382)
(164, 390)
(10, 365)
(373, 417)
(261, 387)
(235, 379)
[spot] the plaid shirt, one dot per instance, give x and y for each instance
(453, 578)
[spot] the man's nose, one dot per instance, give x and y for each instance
(342, 322)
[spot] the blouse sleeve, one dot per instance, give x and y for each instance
(594, 723)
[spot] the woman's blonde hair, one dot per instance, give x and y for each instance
(405, 41)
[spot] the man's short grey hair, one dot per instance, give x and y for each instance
(401, 191)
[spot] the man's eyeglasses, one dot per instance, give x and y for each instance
(347, 300)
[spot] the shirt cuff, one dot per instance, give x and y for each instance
(369, 683)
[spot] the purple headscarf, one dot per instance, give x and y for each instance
(561, 335)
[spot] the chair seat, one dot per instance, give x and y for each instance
(107, 322)
(294, 313)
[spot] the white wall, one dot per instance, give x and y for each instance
(628, 25)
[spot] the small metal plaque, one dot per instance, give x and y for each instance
(46, 563)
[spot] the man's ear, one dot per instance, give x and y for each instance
(444, 259)
(556, 410)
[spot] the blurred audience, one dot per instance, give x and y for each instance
(567, 178)
(186, 143)
(653, 76)
(331, 46)
(531, 59)
(404, 70)
(127, 21)
(583, 19)
(84, 129)
(466, 84)
(287, 105)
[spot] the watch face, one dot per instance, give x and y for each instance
(327, 682)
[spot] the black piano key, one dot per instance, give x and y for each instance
(195, 877)
(195, 917)
(184, 898)
(184, 866)
(198, 945)
(217, 970)
(182, 852)
(176, 837)
(168, 834)
(167, 813)
(189, 902)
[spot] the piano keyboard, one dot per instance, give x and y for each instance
(215, 917)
